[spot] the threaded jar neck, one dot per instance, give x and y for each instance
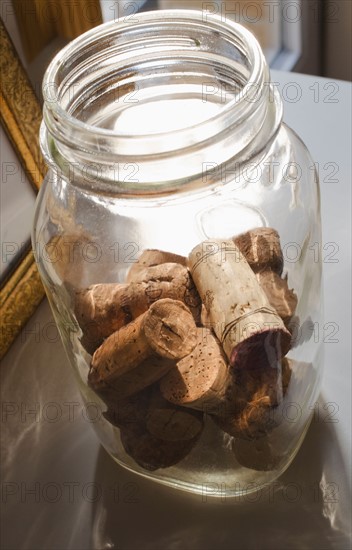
(169, 94)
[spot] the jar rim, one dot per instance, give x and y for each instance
(51, 93)
(69, 131)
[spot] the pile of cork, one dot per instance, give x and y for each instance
(189, 338)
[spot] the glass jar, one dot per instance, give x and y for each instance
(176, 235)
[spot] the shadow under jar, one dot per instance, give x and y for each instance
(175, 236)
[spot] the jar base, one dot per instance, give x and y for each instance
(219, 485)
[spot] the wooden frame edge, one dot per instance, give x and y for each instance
(22, 291)
(19, 298)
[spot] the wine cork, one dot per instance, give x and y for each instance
(153, 453)
(135, 414)
(280, 297)
(149, 371)
(256, 455)
(149, 413)
(261, 248)
(170, 422)
(250, 421)
(249, 409)
(251, 332)
(164, 272)
(272, 382)
(170, 329)
(166, 329)
(102, 309)
(200, 379)
(151, 258)
(129, 411)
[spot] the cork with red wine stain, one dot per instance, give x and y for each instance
(248, 327)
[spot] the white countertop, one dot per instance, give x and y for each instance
(60, 489)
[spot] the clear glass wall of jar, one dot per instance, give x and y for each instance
(164, 133)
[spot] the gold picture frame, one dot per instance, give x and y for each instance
(22, 290)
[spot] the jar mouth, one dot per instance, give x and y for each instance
(98, 89)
